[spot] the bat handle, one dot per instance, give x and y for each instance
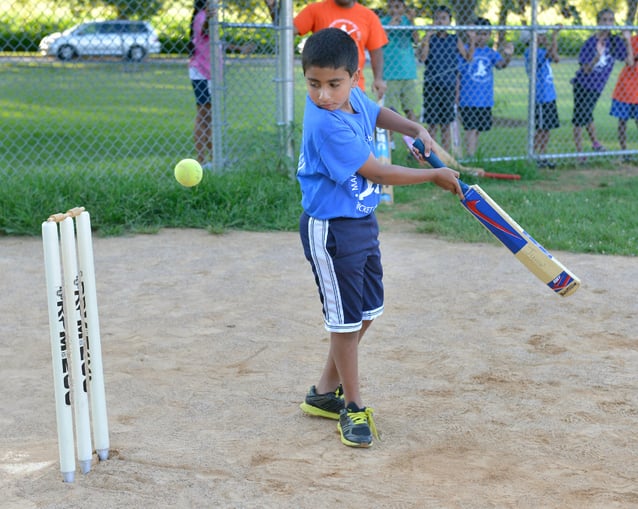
(434, 161)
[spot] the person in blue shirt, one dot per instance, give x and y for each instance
(439, 51)
(340, 181)
(476, 94)
(546, 112)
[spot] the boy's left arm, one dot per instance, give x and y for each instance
(507, 52)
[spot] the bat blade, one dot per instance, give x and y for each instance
(523, 246)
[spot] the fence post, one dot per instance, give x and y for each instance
(217, 87)
(285, 77)
(533, 64)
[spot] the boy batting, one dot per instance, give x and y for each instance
(340, 181)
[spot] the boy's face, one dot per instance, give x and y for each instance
(442, 18)
(606, 19)
(396, 8)
(482, 36)
(329, 88)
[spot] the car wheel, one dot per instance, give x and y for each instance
(136, 53)
(66, 52)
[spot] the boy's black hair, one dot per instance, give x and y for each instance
(330, 48)
(484, 22)
(606, 10)
(442, 8)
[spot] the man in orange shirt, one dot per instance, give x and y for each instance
(361, 23)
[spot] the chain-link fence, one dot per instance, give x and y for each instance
(106, 86)
(503, 92)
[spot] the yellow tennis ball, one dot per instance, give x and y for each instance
(188, 172)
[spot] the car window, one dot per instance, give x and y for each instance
(136, 27)
(108, 28)
(88, 29)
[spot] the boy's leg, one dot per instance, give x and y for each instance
(410, 100)
(541, 138)
(471, 140)
(578, 138)
(330, 378)
(591, 131)
(433, 130)
(344, 349)
(622, 133)
(446, 137)
(203, 141)
(411, 115)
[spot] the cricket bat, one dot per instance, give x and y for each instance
(475, 172)
(384, 155)
(530, 253)
(451, 162)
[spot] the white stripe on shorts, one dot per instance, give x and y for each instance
(329, 286)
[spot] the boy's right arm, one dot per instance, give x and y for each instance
(467, 53)
(508, 51)
(394, 175)
(424, 47)
(588, 65)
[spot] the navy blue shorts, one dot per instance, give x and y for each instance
(546, 116)
(346, 262)
(584, 103)
(478, 118)
(438, 104)
(202, 91)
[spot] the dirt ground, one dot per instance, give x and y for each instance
(489, 391)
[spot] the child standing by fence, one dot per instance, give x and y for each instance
(476, 98)
(439, 51)
(596, 59)
(545, 112)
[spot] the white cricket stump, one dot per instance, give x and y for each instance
(75, 340)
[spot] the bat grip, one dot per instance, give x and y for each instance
(434, 161)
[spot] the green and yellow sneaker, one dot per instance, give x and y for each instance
(324, 405)
(356, 426)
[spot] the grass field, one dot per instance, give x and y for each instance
(107, 135)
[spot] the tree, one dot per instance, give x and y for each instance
(125, 9)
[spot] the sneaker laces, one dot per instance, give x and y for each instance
(365, 417)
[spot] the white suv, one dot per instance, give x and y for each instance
(129, 39)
